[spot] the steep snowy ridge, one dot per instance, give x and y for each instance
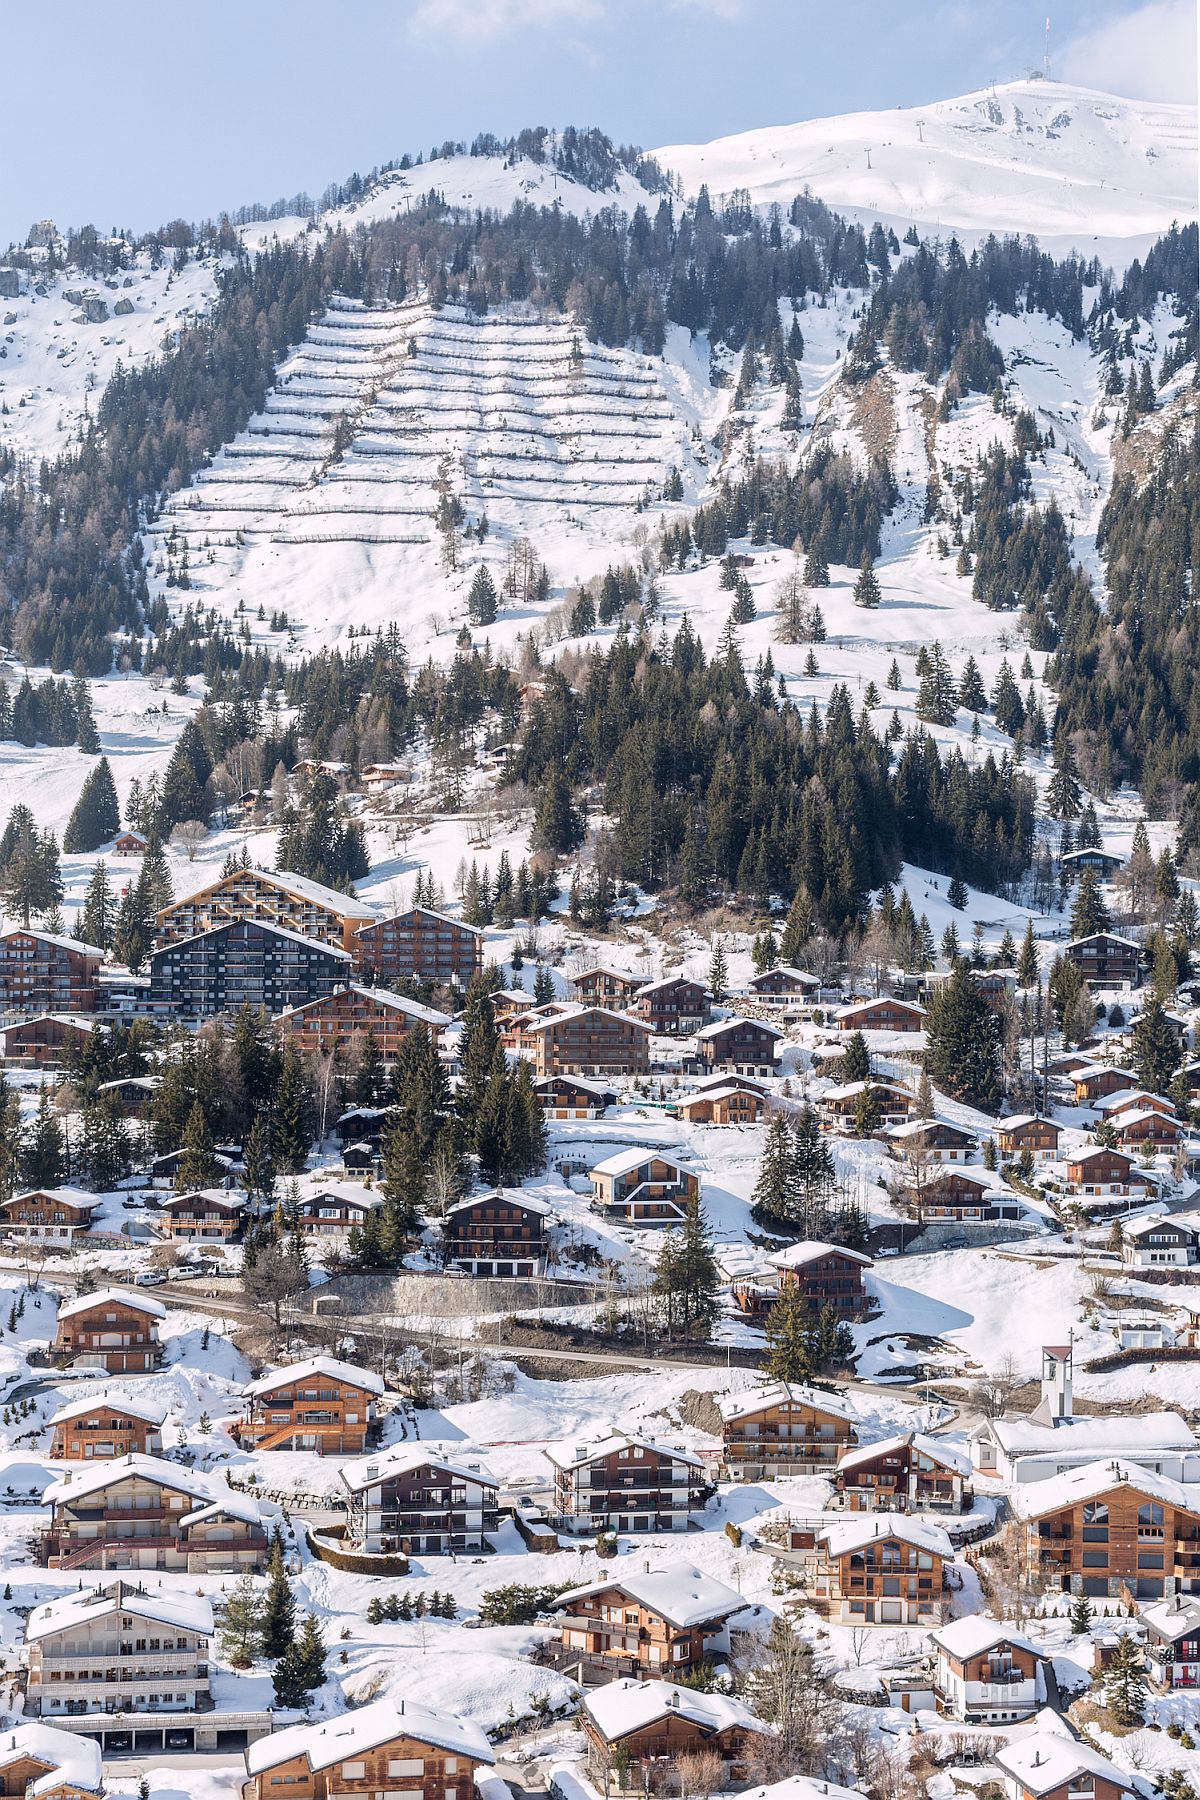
(1079, 169)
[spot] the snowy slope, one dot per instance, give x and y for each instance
(54, 365)
(1079, 169)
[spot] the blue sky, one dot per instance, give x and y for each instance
(137, 111)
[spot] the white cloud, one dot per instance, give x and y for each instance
(1146, 54)
(475, 21)
(725, 10)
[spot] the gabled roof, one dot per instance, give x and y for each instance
(112, 1400)
(329, 1366)
(225, 1198)
(330, 1741)
(56, 938)
(267, 925)
(1137, 1228)
(600, 968)
(574, 1453)
(78, 1198)
(369, 1471)
(669, 981)
(212, 1494)
(67, 1756)
(776, 1393)
(719, 1027)
(850, 1090)
(622, 1707)
(299, 886)
(932, 1447)
(1091, 1151)
(188, 1612)
(797, 1255)
(1050, 1759)
(510, 1196)
(973, 1635)
(598, 1089)
(793, 974)
(719, 1092)
(384, 998)
(1018, 1122)
(427, 912)
(856, 1006)
(845, 1535)
(563, 1012)
(154, 1309)
(678, 1593)
(1093, 1436)
(625, 1160)
(1176, 1618)
(1107, 937)
(1033, 1499)
(916, 1127)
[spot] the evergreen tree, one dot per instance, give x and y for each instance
(1089, 913)
(477, 1046)
(198, 1166)
(44, 1154)
(687, 1279)
(956, 893)
(278, 1614)
(813, 1175)
(87, 738)
(718, 974)
(789, 1349)
(96, 816)
(1027, 961)
(971, 692)
(1064, 794)
(866, 588)
(103, 1144)
(241, 1622)
(1125, 1684)
(1154, 1051)
(258, 1168)
(293, 1126)
(964, 1039)
(1081, 1615)
(558, 826)
(482, 601)
(855, 1061)
(98, 919)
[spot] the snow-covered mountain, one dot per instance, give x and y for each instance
(1079, 169)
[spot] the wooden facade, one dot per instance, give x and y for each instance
(322, 1405)
(328, 1213)
(41, 971)
(419, 945)
(344, 1020)
(140, 1513)
(288, 902)
(211, 1215)
(1106, 1528)
(907, 1473)
(887, 1572)
(111, 1330)
(721, 1106)
(644, 1187)
(1105, 960)
(783, 1429)
(826, 1275)
(673, 1007)
(41, 1042)
(415, 1499)
(387, 1747)
(1028, 1132)
(646, 1726)
(624, 1484)
(588, 1040)
(59, 1213)
(744, 1045)
(99, 1429)
(1099, 1172)
(885, 1013)
(656, 1623)
(956, 1196)
(573, 1097)
(498, 1234)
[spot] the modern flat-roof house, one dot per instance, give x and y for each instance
(623, 1483)
(1107, 1527)
(120, 1647)
(419, 945)
(138, 1512)
(747, 1046)
(644, 1187)
(587, 1040)
(673, 1007)
(649, 1724)
(291, 903)
(648, 1622)
(56, 1214)
(885, 1013)
(344, 1019)
(500, 1234)
(418, 1498)
(388, 1746)
(1106, 960)
(910, 1472)
(246, 962)
(42, 971)
(102, 1426)
(211, 1215)
(322, 1405)
(887, 1569)
(113, 1329)
(1051, 1765)
(987, 1674)
(783, 1428)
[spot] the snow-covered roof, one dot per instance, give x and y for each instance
(1108, 937)
(563, 1012)
(225, 1198)
(69, 1757)
(600, 968)
(744, 1405)
(352, 1193)
(429, 912)
(111, 1400)
(802, 1787)
(623, 1161)
(293, 937)
(1137, 1114)
(932, 1447)
(1018, 1122)
(801, 975)
(56, 938)
(1050, 1759)
(1176, 1618)
(916, 1128)
(856, 1006)
(154, 1309)
(385, 1465)
(850, 1090)
(571, 1453)
(78, 1198)
(844, 1535)
(667, 981)
(1137, 1228)
(679, 1593)
(344, 905)
(188, 1612)
(328, 1366)
(329, 1741)
(1123, 1100)
(1092, 1151)
(600, 1089)
(511, 1197)
(719, 1027)
(385, 998)
(79, 1483)
(797, 1255)
(1121, 1434)
(974, 1634)
(622, 1707)
(1030, 1500)
(715, 1093)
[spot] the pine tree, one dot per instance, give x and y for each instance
(96, 816)
(1154, 1051)
(813, 1175)
(44, 1155)
(956, 893)
(771, 1202)
(278, 1615)
(866, 588)
(816, 568)
(258, 1168)
(241, 1622)
(1081, 1615)
(971, 692)
(1089, 913)
(98, 919)
(1125, 1684)
(718, 974)
(855, 1061)
(87, 738)
(789, 1350)
(477, 1046)
(1027, 961)
(198, 1166)
(1064, 793)
(292, 1124)
(964, 1042)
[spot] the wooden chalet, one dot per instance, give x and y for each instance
(781, 1429)
(645, 1726)
(574, 1097)
(330, 1210)
(1106, 960)
(653, 1622)
(1103, 862)
(783, 987)
(289, 902)
(827, 1275)
(933, 1140)
(910, 1472)
(131, 843)
(1054, 1765)
(345, 1019)
(1108, 1527)
(386, 1747)
(138, 1512)
(986, 1673)
(884, 1013)
(604, 986)
(962, 1196)
(643, 1187)
(500, 1234)
(102, 1426)
(885, 1569)
(323, 1405)
(676, 1006)
(747, 1046)
(51, 1764)
(1028, 1131)
(588, 1040)
(1146, 1129)
(1100, 1173)
(1093, 1082)
(215, 1215)
(114, 1330)
(623, 1483)
(58, 1214)
(1173, 1643)
(418, 1499)
(419, 945)
(45, 972)
(891, 1103)
(720, 1106)
(42, 1042)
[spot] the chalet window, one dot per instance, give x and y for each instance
(353, 1771)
